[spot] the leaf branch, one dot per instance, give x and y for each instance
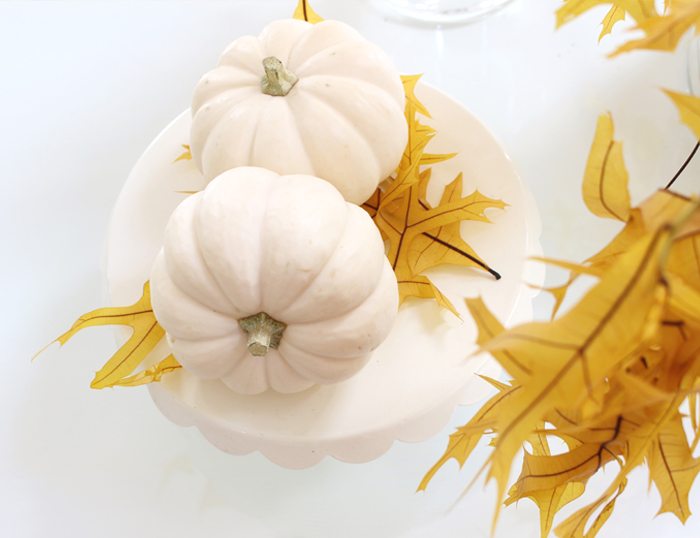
(683, 166)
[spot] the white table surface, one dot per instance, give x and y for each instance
(86, 85)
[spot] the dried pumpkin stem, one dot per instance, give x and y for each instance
(264, 333)
(277, 80)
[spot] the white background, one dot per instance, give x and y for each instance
(84, 87)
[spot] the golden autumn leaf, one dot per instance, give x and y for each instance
(663, 32)
(444, 245)
(575, 525)
(605, 190)
(653, 212)
(612, 17)
(657, 209)
(694, 415)
(672, 468)
(600, 378)
(688, 106)
(640, 433)
(152, 374)
(549, 472)
(608, 322)
(639, 10)
(685, 301)
(608, 377)
(606, 194)
(488, 328)
(684, 258)
(420, 236)
(549, 500)
(463, 442)
(304, 12)
(420, 287)
(186, 155)
(146, 333)
(465, 439)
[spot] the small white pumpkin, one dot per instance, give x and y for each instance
(302, 98)
(269, 281)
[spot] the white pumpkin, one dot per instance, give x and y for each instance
(302, 98)
(269, 281)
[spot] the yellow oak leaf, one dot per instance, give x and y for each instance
(694, 415)
(639, 10)
(683, 265)
(622, 290)
(152, 374)
(606, 512)
(634, 229)
(186, 155)
(630, 438)
(663, 206)
(672, 468)
(613, 16)
(549, 472)
(558, 293)
(572, 9)
(304, 12)
(146, 333)
(684, 302)
(608, 323)
(444, 245)
(575, 525)
(420, 287)
(414, 156)
(663, 32)
(684, 258)
(549, 502)
(413, 104)
(606, 378)
(622, 437)
(606, 194)
(653, 212)
(575, 268)
(488, 328)
(605, 189)
(688, 106)
(693, 404)
(638, 444)
(463, 442)
(420, 236)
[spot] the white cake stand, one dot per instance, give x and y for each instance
(410, 388)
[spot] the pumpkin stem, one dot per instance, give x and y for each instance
(277, 80)
(263, 331)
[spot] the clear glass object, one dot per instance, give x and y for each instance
(444, 11)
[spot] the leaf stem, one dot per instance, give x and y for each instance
(684, 166)
(477, 261)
